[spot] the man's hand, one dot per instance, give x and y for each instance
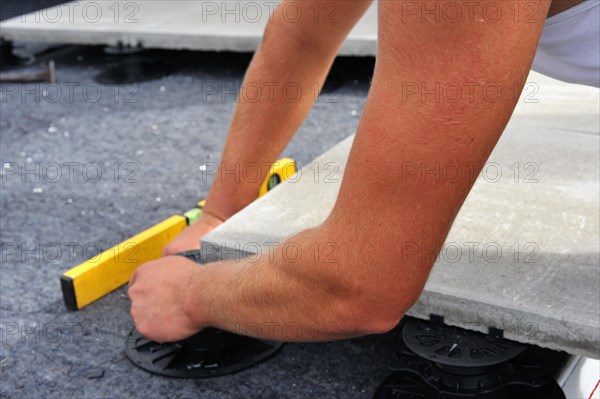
(190, 238)
(159, 291)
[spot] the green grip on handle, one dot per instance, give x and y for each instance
(192, 215)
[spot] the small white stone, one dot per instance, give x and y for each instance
(29, 159)
(154, 127)
(66, 134)
(163, 88)
(6, 165)
(158, 199)
(70, 201)
(354, 113)
(38, 190)
(52, 129)
(202, 168)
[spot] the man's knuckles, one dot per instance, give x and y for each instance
(176, 247)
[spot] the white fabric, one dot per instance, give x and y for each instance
(569, 48)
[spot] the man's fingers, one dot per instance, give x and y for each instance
(135, 274)
(132, 279)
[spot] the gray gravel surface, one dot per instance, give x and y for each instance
(128, 157)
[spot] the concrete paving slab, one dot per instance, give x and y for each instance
(523, 253)
(181, 25)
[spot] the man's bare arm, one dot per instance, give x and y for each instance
(279, 89)
(415, 116)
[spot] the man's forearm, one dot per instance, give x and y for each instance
(282, 83)
(304, 297)
(278, 91)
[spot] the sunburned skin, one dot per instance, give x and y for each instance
(227, 203)
(408, 120)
